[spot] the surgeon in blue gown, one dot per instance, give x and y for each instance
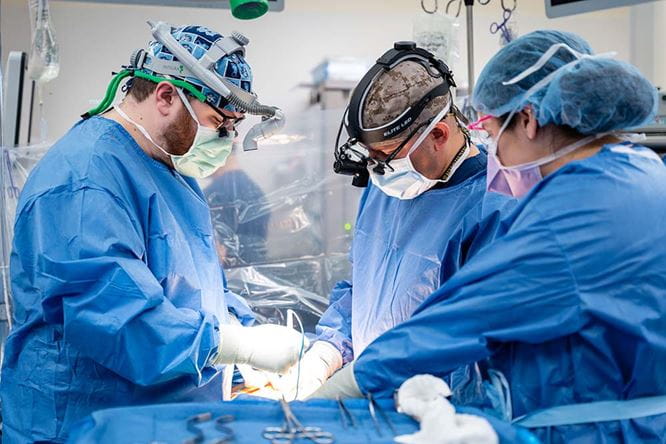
(118, 296)
(416, 225)
(567, 308)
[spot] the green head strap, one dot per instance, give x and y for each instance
(107, 101)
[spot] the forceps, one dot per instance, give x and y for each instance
(293, 430)
(373, 407)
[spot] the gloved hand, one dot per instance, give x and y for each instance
(318, 364)
(342, 384)
(273, 348)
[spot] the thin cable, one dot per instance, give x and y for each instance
(291, 315)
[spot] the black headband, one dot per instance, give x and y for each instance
(402, 51)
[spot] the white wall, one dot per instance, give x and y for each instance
(648, 35)
(95, 39)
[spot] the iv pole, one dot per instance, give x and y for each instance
(469, 7)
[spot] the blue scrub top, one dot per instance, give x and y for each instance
(117, 288)
(404, 249)
(568, 303)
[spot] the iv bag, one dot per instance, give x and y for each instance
(43, 63)
(439, 34)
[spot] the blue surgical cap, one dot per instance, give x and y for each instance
(198, 40)
(593, 95)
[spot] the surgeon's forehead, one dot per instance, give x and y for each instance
(384, 146)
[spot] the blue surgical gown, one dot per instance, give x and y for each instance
(568, 303)
(117, 288)
(404, 249)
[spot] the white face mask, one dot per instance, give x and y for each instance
(207, 153)
(402, 181)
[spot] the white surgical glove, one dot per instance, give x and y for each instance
(318, 364)
(273, 348)
(342, 384)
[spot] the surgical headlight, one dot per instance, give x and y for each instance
(186, 65)
(351, 161)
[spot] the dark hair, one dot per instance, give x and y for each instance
(511, 124)
(140, 89)
(558, 134)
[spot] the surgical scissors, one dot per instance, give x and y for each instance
(12, 190)
(345, 415)
(293, 430)
(227, 433)
(373, 407)
(502, 27)
(196, 431)
(495, 27)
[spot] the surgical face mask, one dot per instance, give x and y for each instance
(207, 153)
(517, 180)
(402, 181)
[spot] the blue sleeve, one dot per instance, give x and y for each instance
(519, 288)
(335, 324)
(87, 257)
(483, 227)
(493, 224)
(237, 305)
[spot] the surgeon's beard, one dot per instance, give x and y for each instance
(179, 136)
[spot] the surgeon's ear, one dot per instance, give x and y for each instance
(441, 133)
(525, 122)
(528, 120)
(165, 98)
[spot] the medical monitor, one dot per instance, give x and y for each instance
(561, 8)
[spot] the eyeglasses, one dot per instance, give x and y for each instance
(381, 165)
(478, 125)
(228, 124)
